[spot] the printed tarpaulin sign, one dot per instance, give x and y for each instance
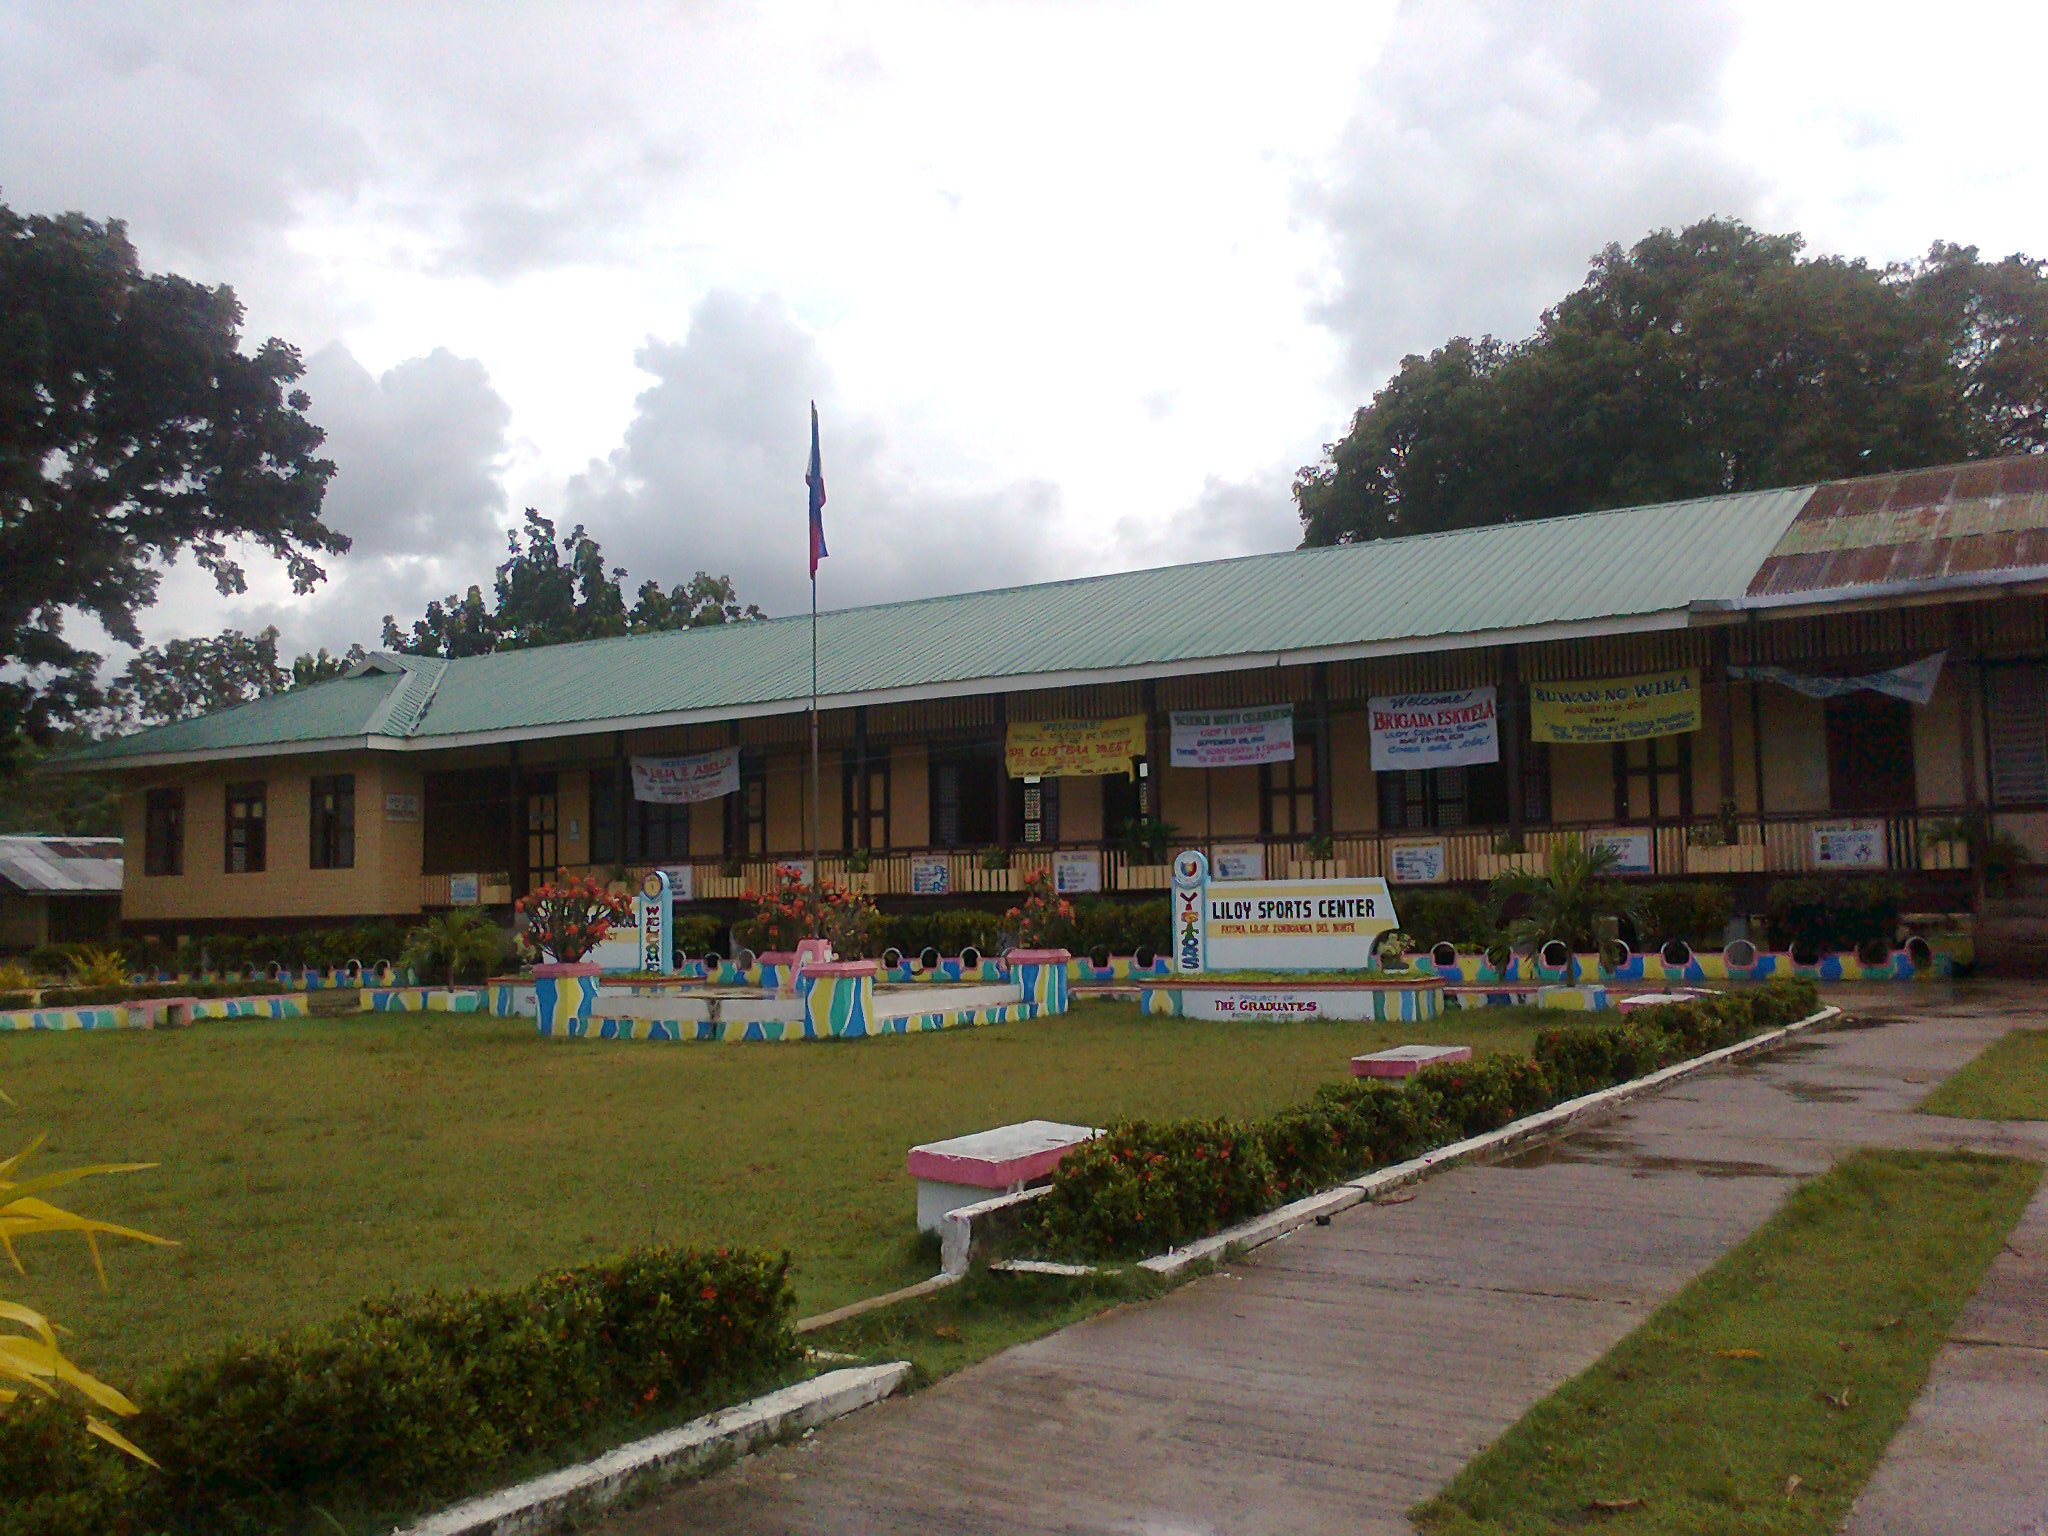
(1434, 730)
(1068, 749)
(686, 780)
(1913, 682)
(1233, 738)
(1274, 925)
(1616, 708)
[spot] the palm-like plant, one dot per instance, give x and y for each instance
(1562, 901)
(451, 940)
(30, 1357)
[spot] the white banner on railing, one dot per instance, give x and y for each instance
(1434, 730)
(686, 780)
(1233, 738)
(1913, 682)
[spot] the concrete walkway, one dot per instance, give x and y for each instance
(1343, 1374)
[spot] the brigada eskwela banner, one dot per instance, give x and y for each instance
(1616, 708)
(1233, 738)
(1434, 730)
(686, 780)
(1066, 749)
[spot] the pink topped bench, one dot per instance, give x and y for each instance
(967, 1169)
(1407, 1060)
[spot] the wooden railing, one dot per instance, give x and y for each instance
(1783, 844)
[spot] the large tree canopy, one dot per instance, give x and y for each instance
(1711, 360)
(133, 429)
(554, 589)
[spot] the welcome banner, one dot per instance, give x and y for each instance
(1616, 708)
(686, 780)
(1233, 738)
(1434, 730)
(1069, 749)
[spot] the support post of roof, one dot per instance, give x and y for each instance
(1319, 683)
(515, 855)
(1756, 738)
(622, 798)
(861, 837)
(1725, 735)
(736, 807)
(1509, 725)
(1002, 770)
(1969, 664)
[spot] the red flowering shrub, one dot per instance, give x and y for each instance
(1140, 1188)
(1045, 919)
(796, 910)
(570, 918)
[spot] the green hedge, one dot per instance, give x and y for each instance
(1437, 917)
(93, 997)
(1099, 924)
(1143, 1187)
(406, 1403)
(1833, 914)
(1697, 912)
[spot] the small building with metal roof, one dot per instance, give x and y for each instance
(58, 890)
(1856, 666)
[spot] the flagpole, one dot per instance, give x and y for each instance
(814, 727)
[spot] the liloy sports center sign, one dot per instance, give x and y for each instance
(1274, 925)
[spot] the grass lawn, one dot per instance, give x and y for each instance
(308, 1163)
(1761, 1397)
(2008, 1082)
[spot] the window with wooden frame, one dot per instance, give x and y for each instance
(331, 821)
(752, 805)
(163, 832)
(625, 830)
(875, 764)
(963, 794)
(1287, 795)
(1653, 779)
(244, 852)
(2017, 727)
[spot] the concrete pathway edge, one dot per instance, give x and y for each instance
(544, 1502)
(1278, 1223)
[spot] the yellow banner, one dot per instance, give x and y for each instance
(1069, 749)
(1616, 708)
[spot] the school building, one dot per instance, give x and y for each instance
(1816, 680)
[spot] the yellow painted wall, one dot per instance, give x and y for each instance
(1080, 808)
(1354, 789)
(910, 798)
(1582, 783)
(1233, 802)
(1795, 752)
(384, 881)
(1938, 743)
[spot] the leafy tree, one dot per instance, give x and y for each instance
(703, 599)
(197, 676)
(1711, 360)
(321, 667)
(554, 588)
(60, 804)
(1575, 887)
(133, 429)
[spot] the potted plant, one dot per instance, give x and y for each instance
(565, 921)
(1716, 847)
(1510, 855)
(859, 866)
(1319, 860)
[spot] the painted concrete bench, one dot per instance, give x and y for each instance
(1407, 1060)
(966, 1169)
(160, 1012)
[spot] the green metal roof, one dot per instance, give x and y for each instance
(1599, 572)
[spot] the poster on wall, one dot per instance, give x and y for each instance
(930, 877)
(1434, 730)
(1849, 845)
(1066, 749)
(1238, 861)
(1274, 925)
(682, 881)
(686, 780)
(794, 869)
(1077, 873)
(1232, 738)
(402, 808)
(1417, 861)
(1631, 850)
(1616, 708)
(463, 890)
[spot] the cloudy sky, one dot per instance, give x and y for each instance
(1076, 286)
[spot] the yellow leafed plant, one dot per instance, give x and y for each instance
(30, 1358)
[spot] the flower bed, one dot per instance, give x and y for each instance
(405, 1402)
(1142, 1188)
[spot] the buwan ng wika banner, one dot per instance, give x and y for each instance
(686, 780)
(1434, 730)
(1616, 708)
(1071, 749)
(1233, 738)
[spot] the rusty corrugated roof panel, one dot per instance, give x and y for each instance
(1920, 525)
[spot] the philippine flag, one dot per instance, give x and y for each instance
(815, 479)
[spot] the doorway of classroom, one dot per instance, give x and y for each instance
(543, 829)
(1870, 754)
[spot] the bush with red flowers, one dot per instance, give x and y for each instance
(1044, 918)
(569, 918)
(796, 910)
